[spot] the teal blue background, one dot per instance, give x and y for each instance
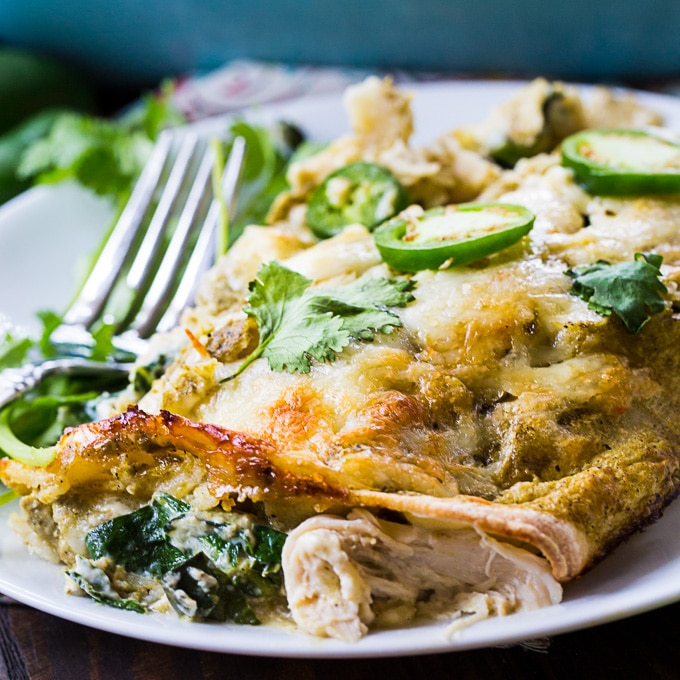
(138, 42)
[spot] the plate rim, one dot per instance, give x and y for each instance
(372, 646)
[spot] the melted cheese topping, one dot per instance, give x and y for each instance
(503, 403)
(418, 410)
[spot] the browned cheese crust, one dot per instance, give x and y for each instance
(138, 454)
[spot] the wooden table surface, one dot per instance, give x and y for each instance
(36, 646)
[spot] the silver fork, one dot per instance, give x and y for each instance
(179, 175)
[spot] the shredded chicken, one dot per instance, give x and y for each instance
(536, 119)
(344, 574)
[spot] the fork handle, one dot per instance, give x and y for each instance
(16, 381)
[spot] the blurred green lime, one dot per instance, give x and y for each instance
(30, 83)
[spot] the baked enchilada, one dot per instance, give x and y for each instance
(438, 389)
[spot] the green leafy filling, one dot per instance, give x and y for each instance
(138, 541)
(95, 583)
(210, 566)
(631, 290)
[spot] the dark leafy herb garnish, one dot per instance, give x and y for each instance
(32, 424)
(298, 323)
(631, 290)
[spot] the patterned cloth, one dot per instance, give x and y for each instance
(241, 84)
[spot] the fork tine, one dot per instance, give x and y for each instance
(159, 300)
(203, 254)
(167, 270)
(88, 305)
(144, 259)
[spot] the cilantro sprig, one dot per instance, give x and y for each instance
(631, 290)
(298, 323)
(103, 155)
(32, 423)
(269, 151)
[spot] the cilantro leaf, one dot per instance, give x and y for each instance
(263, 174)
(102, 155)
(13, 350)
(290, 330)
(361, 320)
(298, 323)
(105, 156)
(632, 290)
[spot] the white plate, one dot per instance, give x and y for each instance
(45, 232)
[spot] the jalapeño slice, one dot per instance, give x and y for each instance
(361, 192)
(450, 236)
(623, 162)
